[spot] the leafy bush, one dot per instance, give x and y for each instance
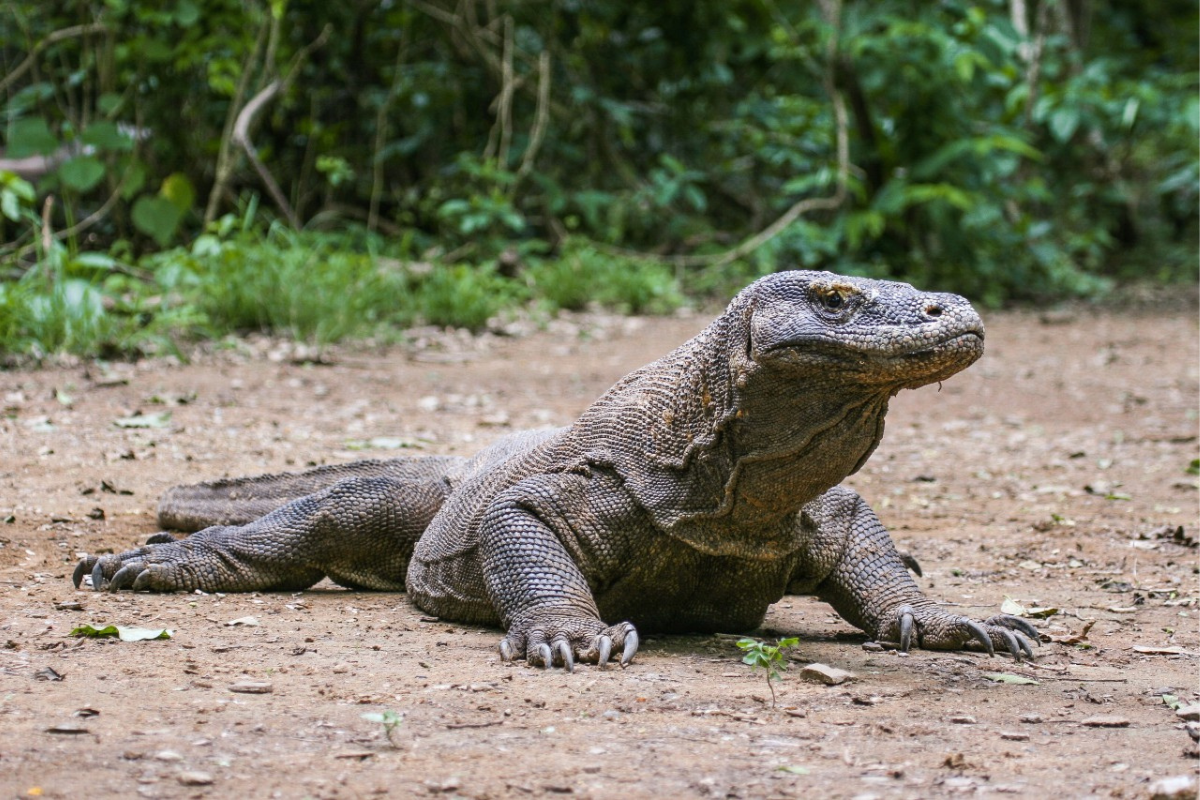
(582, 274)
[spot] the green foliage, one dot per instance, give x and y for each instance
(583, 274)
(1032, 160)
(770, 658)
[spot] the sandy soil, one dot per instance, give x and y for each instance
(1053, 472)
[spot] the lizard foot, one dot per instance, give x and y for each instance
(153, 567)
(559, 641)
(934, 629)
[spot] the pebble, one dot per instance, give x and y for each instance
(963, 719)
(830, 676)
(1190, 712)
(252, 687)
(1032, 719)
(1106, 722)
(191, 778)
(168, 755)
(1015, 737)
(1174, 787)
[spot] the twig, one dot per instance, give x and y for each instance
(55, 37)
(241, 127)
(381, 131)
(241, 136)
(541, 116)
(47, 234)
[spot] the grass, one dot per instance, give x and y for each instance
(313, 287)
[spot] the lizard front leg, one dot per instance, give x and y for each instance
(851, 563)
(536, 542)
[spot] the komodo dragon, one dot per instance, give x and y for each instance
(693, 494)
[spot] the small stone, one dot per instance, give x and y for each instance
(193, 778)
(872, 647)
(963, 719)
(1106, 722)
(1176, 786)
(830, 676)
(1032, 719)
(1015, 737)
(339, 669)
(1189, 713)
(252, 687)
(168, 755)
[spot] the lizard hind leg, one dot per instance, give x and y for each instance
(360, 532)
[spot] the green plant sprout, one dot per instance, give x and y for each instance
(390, 721)
(770, 657)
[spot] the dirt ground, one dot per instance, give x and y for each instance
(1054, 472)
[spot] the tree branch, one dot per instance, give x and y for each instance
(58, 36)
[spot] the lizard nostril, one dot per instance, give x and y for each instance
(933, 310)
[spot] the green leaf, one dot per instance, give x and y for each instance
(187, 13)
(30, 137)
(105, 135)
(123, 633)
(159, 420)
(134, 177)
(1194, 467)
(794, 769)
(1005, 677)
(108, 103)
(10, 205)
(81, 173)
(142, 634)
(157, 217)
(1063, 123)
(178, 190)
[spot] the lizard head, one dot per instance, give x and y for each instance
(876, 334)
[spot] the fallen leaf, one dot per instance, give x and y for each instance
(1173, 650)
(794, 769)
(159, 420)
(1008, 677)
(1010, 606)
(121, 632)
(249, 622)
(1073, 638)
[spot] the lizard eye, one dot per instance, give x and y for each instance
(831, 298)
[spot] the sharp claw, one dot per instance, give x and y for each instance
(1025, 627)
(981, 635)
(97, 577)
(564, 652)
(162, 537)
(142, 582)
(1024, 645)
(631, 646)
(80, 570)
(506, 651)
(1013, 646)
(906, 628)
(126, 576)
(547, 658)
(604, 647)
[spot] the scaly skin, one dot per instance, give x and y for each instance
(692, 495)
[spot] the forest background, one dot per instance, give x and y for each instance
(188, 169)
